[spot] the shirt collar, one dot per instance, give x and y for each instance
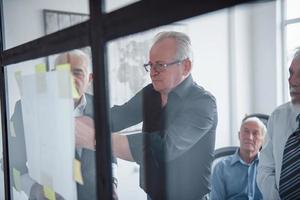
(181, 90)
(236, 158)
(81, 105)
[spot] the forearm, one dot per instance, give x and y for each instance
(120, 147)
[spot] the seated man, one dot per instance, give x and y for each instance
(235, 176)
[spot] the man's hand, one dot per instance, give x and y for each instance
(85, 132)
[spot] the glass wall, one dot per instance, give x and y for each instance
(52, 146)
(1, 167)
(31, 19)
(127, 77)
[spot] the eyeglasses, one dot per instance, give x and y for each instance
(159, 67)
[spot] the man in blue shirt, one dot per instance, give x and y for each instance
(235, 176)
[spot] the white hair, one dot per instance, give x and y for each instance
(258, 121)
(64, 58)
(183, 42)
(296, 53)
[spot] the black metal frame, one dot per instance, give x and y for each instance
(96, 32)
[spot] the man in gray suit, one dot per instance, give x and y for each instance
(83, 106)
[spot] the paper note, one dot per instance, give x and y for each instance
(49, 193)
(40, 68)
(74, 91)
(75, 94)
(63, 67)
(17, 179)
(12, 129)
(49, 146)
(18, 75)
(77, 172)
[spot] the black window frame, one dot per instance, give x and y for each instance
(96, 32)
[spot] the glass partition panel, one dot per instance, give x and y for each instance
(51, 133)
(162, 131)
(28, 20)
(164, 120)
(2, 194)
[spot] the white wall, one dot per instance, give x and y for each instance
(209, 37)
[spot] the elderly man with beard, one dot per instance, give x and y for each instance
(279, 166)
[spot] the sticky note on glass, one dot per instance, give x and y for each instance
(49, 193)
(63, 67)
(18, 75)
(75, 94)
(77, 171)
(40, 68)
(17, 179)
(12, 129)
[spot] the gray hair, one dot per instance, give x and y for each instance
(64, 58)
(183, 42)
(297, 53)
(258, 121)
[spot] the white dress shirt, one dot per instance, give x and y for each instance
(282, 123)
(79, 111)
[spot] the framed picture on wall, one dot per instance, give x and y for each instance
(57, 20)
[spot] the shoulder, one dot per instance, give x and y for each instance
(281, 112)
(224, 163)
(201, 100)
(198, 93)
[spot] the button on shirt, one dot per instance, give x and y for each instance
(233, 178)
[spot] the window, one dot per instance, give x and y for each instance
(291, 39)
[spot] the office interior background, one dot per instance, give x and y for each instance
(241, 55)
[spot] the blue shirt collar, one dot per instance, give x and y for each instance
(236, 158)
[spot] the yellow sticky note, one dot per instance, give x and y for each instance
(63, 67)
(75, 93)
(18, 74)
(49, 193)
(77, 171)
(40, 68)
(17, 179)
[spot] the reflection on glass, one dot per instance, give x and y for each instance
(292, 9)
(51, 133)
(172, 149)
(114, 5)
(1, 167)
(28, 20)
(292, 37)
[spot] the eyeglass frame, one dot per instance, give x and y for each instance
(159, 67)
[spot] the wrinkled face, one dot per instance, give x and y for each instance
(251, 137)
(80, 73)
(164, 52)
(294, 81)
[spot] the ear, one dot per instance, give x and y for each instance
(187, 64)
